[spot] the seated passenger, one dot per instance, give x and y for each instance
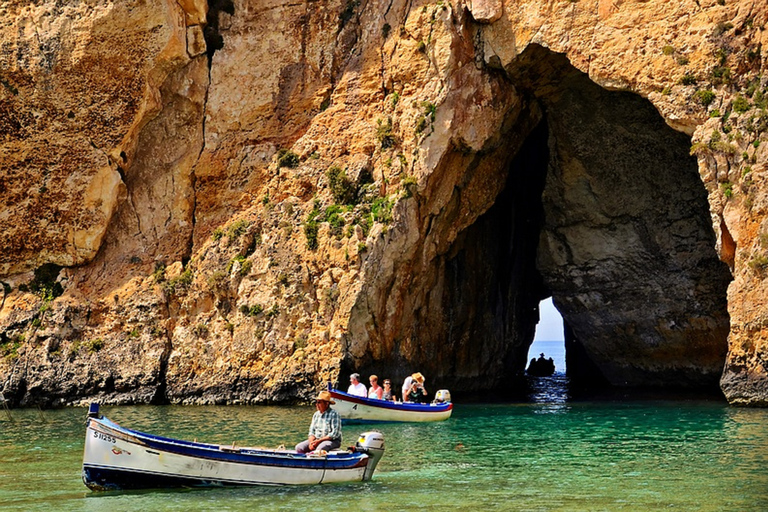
(356, 387)
(417, 392)
(387, 393)
(375, 391)
(407, 387)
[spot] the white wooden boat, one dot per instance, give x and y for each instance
(351, 407)
(117, 458)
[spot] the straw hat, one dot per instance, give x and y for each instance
(418, 377)
(325, 396)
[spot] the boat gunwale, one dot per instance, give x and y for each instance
(386, 404)
(245, 455)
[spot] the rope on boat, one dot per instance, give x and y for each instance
(5, 406)
(42, 416)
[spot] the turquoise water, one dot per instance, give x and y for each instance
(553, 456)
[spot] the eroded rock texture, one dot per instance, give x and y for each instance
(241, 200)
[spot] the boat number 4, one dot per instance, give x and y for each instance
(354, 407)
(104, 437)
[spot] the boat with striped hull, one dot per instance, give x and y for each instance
(117, 458)
(351, 407)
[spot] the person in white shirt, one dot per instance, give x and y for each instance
(356, 387)
(407, 387)
(415, 391)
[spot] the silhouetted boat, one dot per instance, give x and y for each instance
(541, 367)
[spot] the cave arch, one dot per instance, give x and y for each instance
(627, 247)
(603, 209)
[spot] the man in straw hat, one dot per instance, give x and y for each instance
(416, 391)
(325, 429)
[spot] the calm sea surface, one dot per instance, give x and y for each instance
(651, 455)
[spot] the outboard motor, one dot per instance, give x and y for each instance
(442, 396)
(371, 443)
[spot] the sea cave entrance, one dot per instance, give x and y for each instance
(604, 211)
(549, 339)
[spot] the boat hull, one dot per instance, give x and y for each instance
(116, 458)
(367, 409)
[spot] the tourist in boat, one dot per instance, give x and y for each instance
(325, 429)
(406, 387)
(375, 391)
(356, 387)
(417, 392)
(387, 393)
(541, 367)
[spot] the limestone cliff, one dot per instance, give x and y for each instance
(239, 200)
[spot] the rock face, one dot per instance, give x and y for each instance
(241, 200)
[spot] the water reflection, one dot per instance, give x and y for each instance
(549, 390)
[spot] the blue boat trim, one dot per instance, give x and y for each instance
(386, 404)
(244, 456)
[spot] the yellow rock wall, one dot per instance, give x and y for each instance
(140, 145)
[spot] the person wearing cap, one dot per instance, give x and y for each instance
(325, 429)
(417, 393)
(356, 387)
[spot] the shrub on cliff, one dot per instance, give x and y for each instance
(251, 310)
(218, 280)
(94, 346)
(200, 331)
(410, 184)
(237, 229)
(705, 97)
(759, 263)
(740, 104)
(287, 158)
(381, 210)
(9, 347)
(343, 190)
(384, 133)
(311, 226)
(245, 265)
(333, 217)
(179, 284)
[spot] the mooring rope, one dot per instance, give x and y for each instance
(5, 406)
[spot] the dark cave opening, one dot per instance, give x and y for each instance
(627, 249)
(603, 210)
(492, 285)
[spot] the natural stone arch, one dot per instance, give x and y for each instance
(611, 197)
